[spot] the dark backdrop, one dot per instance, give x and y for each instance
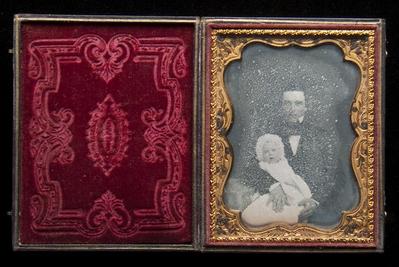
(267, 8)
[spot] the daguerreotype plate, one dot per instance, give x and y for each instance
(293, 133)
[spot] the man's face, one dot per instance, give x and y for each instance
(294, 105)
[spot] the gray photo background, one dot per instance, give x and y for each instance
(255, 85)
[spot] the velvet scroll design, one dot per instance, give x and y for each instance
(51, 136)
(108, 135)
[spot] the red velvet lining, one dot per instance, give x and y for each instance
(106, 133)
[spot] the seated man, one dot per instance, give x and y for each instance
(310, 151)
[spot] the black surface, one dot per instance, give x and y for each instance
(275, 8)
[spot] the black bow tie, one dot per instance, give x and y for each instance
(292, 129)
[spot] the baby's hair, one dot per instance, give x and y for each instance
(267, 138)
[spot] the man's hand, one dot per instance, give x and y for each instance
(278, 199)
(254, 196)
(309, 206)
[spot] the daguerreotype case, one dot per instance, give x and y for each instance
(198, 133)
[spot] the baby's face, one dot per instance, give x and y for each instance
(272, 152)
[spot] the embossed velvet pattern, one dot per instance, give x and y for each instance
(106, 133)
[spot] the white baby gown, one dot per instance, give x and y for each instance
(258, 213)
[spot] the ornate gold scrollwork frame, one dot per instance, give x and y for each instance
(357, 226)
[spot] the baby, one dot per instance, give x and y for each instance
(270, 153)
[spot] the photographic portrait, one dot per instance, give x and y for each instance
(292, 134)
(303, 97)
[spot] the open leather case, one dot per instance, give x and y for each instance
(237, 134)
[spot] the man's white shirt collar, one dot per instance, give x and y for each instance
(294, 139)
